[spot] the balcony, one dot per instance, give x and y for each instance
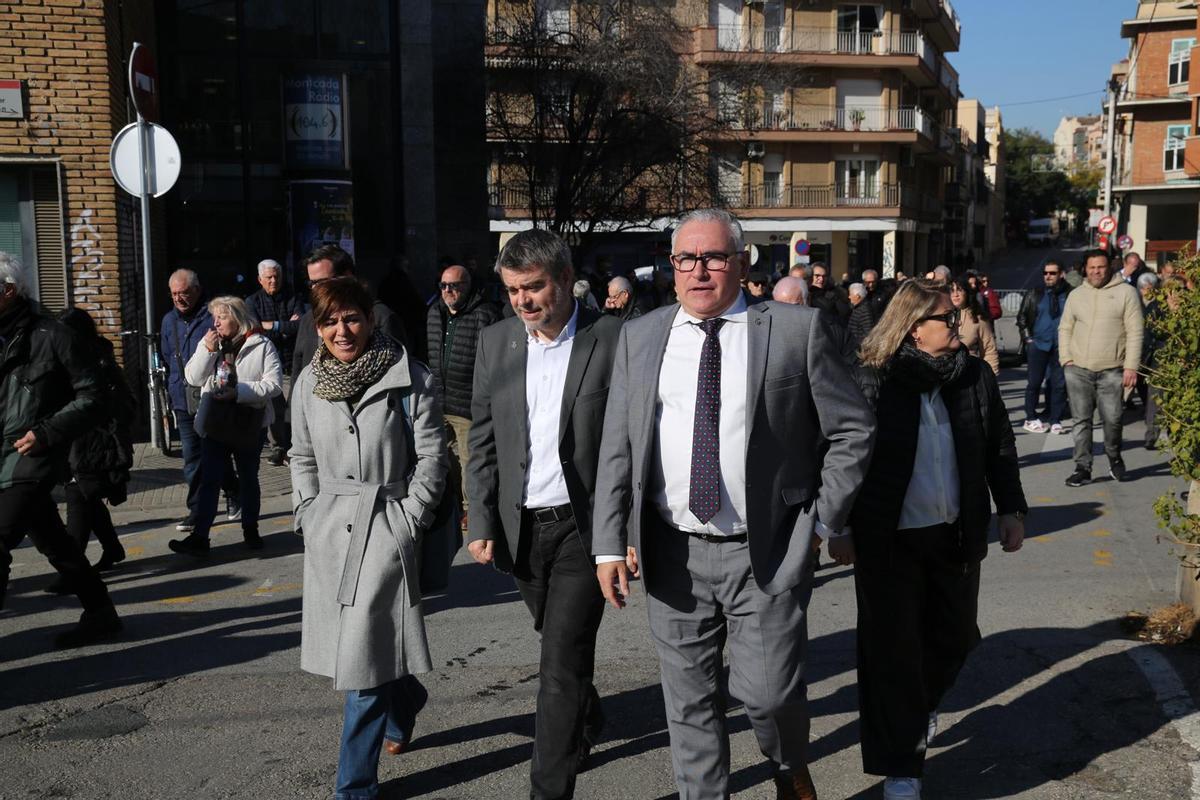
(812, 196)
(948, 78)
(942, 22)
(807, 118)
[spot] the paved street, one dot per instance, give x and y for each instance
(204, 698)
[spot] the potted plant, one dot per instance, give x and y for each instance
(1175, 375)
(857, 115)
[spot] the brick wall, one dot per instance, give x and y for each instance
(1149, 134)
(1154, 51)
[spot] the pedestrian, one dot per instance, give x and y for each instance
(711, 478)
(325, 262)
(101, 458)
(278, 311)
(940, 275)
(183, 328)
(758, 285)
(974, 328)
(1152, 342)
(1038, 320)
(50, 395)
(870, 279)
(920, 525)
(793, 291)
(238, 372)
(856, 294)
(453, 324)
(1100, 344)
(989, 298)
(541, 381)
(1133, 268)
(827, 297)
(369, 466)
(621, 302)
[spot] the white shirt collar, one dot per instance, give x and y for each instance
(735, 313)
(566, 334)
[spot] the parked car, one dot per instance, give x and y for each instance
(1042, 232)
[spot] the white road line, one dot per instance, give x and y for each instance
(1176, 702)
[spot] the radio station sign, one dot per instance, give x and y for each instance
(314, 122)
(12, 100)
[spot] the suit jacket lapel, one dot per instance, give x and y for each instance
(759, 336)
(510, 374)
(581, 353)
(654, 357)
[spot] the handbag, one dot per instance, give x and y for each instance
(191, 394)
(439, 545)
(233, 424)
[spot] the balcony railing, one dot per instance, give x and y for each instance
(833, 118)
(737, 38)
(949, 10)
(949, 78)
(834, 195)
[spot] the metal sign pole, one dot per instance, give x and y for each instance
(144, 133)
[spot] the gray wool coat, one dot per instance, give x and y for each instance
(362, 508)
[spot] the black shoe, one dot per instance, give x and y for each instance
(276, 458)
(1116, 468)
(108, 559)
(253, 540)
(94, 627)
(58, 586)
(1080, 477)
(593, 727)
(187, 524)
(191, 546)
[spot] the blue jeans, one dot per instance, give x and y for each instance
(1044, 364)
(190, 443)
(213, 458)
(370, 715)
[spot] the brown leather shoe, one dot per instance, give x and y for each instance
(394, 748)
(795, 784)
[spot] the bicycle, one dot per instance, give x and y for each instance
(157, 385)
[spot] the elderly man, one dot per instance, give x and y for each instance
(793, 291)
(735, 440)
(50, 395)
(826, 296)
(541, 381)
(1100, 346)
(453, 326)
(857, 293)
(620, 302)
(870, 279)
(1132, 268)
(278, 311)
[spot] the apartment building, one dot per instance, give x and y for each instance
(974, 217)
(1157, 156)
(1074, 140)
(849, 137)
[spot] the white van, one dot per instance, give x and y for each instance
(1042, 232)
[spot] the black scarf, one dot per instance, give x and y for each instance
(920, 372)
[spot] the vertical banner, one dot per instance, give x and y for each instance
(321, 212)
(314, 122)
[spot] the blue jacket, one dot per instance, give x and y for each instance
(188, 333)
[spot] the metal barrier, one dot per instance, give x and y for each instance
(1008, 337)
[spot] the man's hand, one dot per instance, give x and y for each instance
(841, 550)
(1012, 533)
(614, 582)
(212, 340)
(481, 550)
(28, 445)
(293, 317)
(631, 562)
(1067, 363)
(1129, 378)
(267, 325)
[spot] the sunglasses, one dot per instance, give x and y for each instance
(446, 286)
(951, 318)
(1051, 272)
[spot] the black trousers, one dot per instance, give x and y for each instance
(918, 599)
(88, 515)
(28, 508)
(557, 581)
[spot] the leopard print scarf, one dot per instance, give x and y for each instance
(338, 381)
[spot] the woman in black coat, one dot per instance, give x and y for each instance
(920, 524)
(100, 460)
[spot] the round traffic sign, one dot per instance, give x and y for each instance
(1125, 241)
(802, 247)
(125, 162)
(1108, 225)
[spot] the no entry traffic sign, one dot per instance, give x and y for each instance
(1108, 226)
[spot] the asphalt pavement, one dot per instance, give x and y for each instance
(203, 697)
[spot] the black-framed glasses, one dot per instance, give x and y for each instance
(452, 286)
(951, 318)
(713, 262)
(1052, 273)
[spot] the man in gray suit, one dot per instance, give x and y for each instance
(712, 480)
(541, 384)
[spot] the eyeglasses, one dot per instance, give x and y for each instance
(456, 286)
(951, 318)
(712, 262)
(1051, 273)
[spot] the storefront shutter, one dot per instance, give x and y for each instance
(51, 239)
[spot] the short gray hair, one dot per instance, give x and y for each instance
(237, 309)
(943, 272)
(622, 284)
(867, 272)
(713, 215)
(858, 289)
(188, 275)
(268, 264)
(536, 248)
(789, 287)
(12, 271)
(1146, 279)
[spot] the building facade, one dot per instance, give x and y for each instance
(1074, 141)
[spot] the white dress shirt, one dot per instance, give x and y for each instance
(545, 376)
(933, 491)
(671, 468)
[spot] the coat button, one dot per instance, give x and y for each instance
(349, 477)
(522, 465)
(350, 429)
(349, 527)
(517, 506)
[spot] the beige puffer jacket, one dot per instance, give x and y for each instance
(1102, 328)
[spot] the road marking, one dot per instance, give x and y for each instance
(131, 552)
(265, 588)
(1100, 533)
(1044, 499)
(170, 601)
(1176, 702)
(1102, 558)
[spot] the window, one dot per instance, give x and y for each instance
(1179, 63)
(1174, 145)
(858, 181)
(859, 28)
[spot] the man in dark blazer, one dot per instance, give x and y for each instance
(735, 440)
(541, 385)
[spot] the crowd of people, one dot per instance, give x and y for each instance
(706, 430)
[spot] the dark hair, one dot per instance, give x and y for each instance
(343, 262)
(345, 292)
(80, 322)
(972, 297)
(1052, 262)
(536, 248)
(1096, 252)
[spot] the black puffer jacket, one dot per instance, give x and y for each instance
(47, 385)
(100, 459)
(452, 340)
(1027, 316)
(984, 450)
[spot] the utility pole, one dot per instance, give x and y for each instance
(1110, 137)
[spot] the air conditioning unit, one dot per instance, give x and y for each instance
(755, 149)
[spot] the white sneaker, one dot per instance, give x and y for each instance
(1035, 426)
(932, 731)
(902, 789)
(1057, 429)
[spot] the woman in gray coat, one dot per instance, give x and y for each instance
(368, 464)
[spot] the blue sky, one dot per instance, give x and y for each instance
(1017, 51)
